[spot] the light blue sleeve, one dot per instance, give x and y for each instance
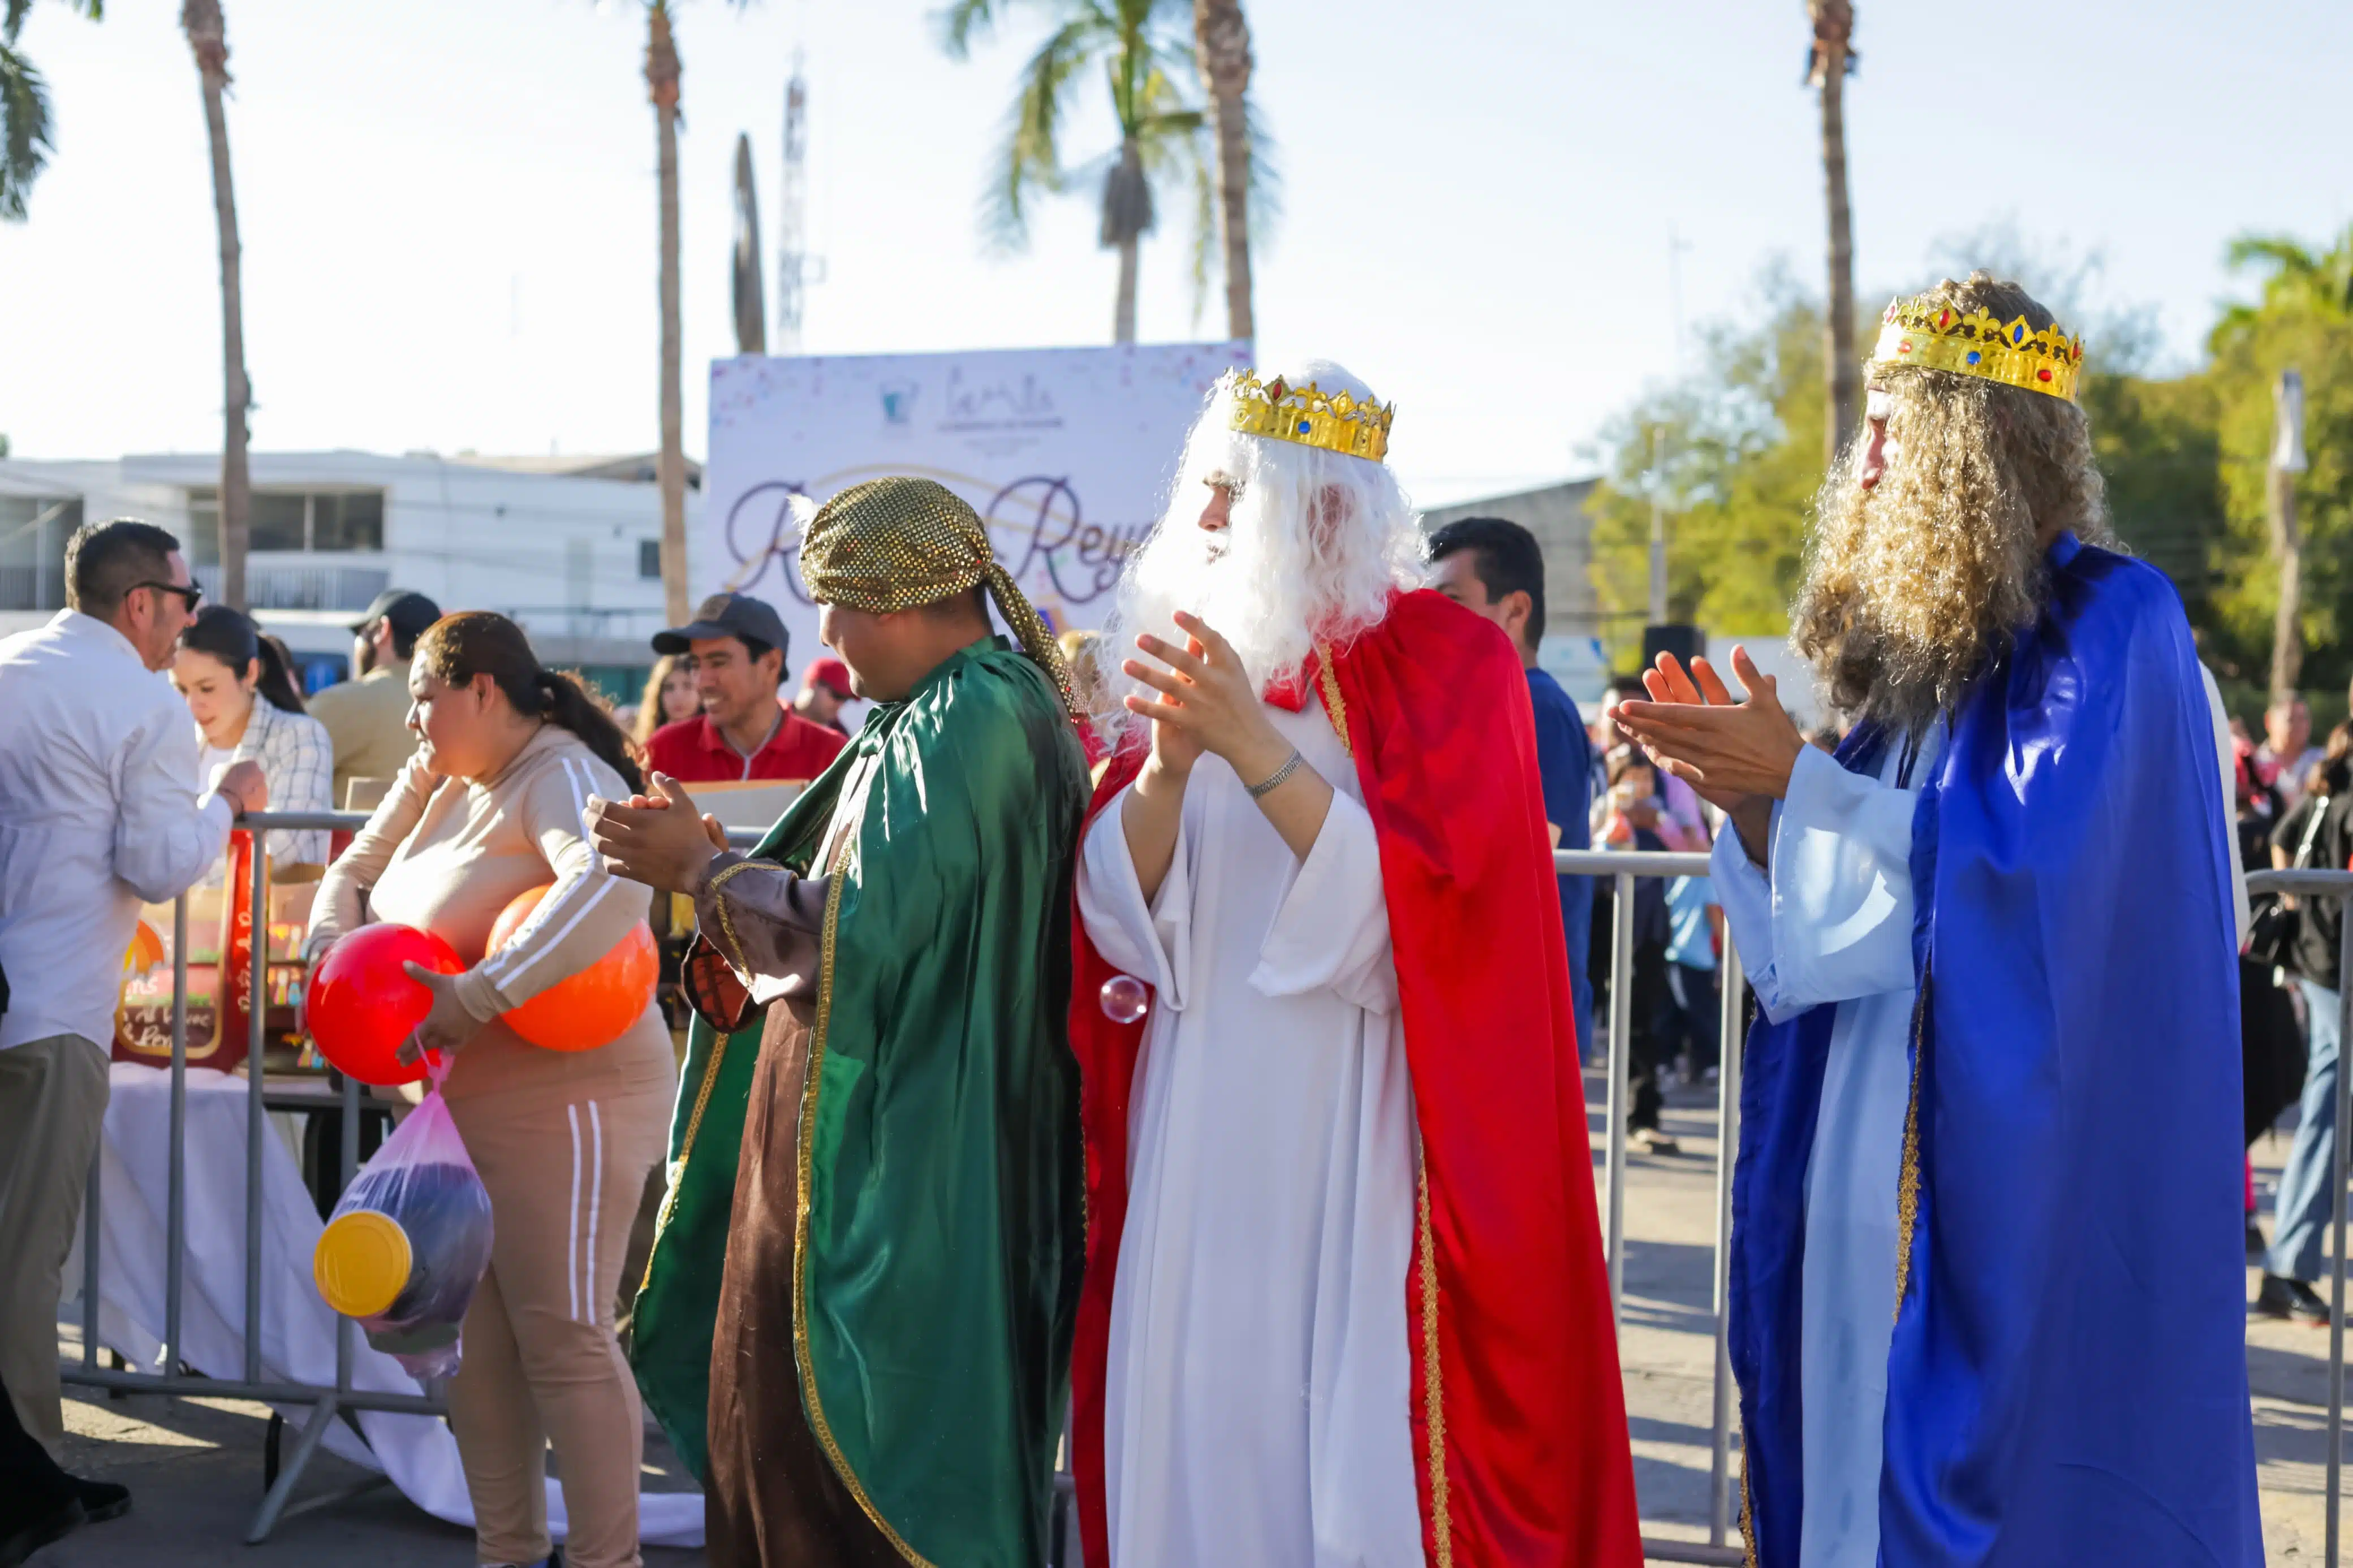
(1836, 908)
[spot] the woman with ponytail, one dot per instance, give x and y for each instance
(490, 809)
(238, 684)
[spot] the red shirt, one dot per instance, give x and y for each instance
(692, 750)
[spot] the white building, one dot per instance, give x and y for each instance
(567, 547)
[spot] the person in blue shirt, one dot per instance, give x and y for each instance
(1493, 567)
(1695, 934)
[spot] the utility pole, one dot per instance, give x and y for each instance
(1658, 537)
(2287, 461)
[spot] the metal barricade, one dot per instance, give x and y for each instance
(328, 1403)
(1624, 867)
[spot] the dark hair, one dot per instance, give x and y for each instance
(755, 649)
(2333, 772)
(459, 647)
(1504, 558)
(230, 637)
(104, 561)
(1625, 758)
(404, 644)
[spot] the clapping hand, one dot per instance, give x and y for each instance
(1211, 704)
(1727, 751)
(657, 839)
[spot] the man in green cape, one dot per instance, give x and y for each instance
(856, 1323)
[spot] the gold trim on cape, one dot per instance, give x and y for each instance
(1442, 1532)
(819, 1425)
(1434, 1408)
(1907, 1179)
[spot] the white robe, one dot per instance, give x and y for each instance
(1257, 1401)
(1833, 924)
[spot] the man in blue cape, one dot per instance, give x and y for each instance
(1988, 1293)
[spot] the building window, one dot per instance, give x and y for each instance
(33, 534)
(650, 559)
(290, 521)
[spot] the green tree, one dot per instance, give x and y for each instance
(1145, 50)
(24, 144)
(2302, 321)
(1738, 448)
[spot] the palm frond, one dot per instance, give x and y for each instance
(24, 130)
(1030, 157)
(960, 22)
(2272, 251)
(1205, 233)
(1265, 176)
(12, 19)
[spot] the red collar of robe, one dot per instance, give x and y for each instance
(1518, 1416)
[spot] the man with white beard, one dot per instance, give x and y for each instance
(1986, 1275)
(1346, 1302)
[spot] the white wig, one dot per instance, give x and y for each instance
(1318, 543)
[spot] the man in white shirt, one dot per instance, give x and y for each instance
(97, 812)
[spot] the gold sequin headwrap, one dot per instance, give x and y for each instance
(897, 544)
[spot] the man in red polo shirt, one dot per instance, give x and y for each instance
(736, 646)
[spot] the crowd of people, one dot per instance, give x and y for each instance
(1174, 1061)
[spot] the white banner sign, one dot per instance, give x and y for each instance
(1067, 454)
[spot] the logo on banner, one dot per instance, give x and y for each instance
(899, 402)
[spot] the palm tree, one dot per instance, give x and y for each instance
(24, 144)
(1831, 62)
(208, 39)
(662, 71)
(1143, 50)
(1221, 44)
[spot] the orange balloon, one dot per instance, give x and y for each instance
(146, 952)
(591, 1007)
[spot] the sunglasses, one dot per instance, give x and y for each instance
(191, 594)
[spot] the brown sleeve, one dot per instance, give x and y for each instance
(588, 910)
(336, 909)
(765, 919)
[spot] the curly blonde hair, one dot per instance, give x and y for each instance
(1914, 586)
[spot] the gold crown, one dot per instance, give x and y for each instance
(1926, 330)
(1339, 423)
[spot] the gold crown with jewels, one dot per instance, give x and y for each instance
(1926, 330)
(1337, 423)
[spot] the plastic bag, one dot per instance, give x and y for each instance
(408, 1242)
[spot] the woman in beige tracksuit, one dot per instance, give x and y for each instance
(491, 808)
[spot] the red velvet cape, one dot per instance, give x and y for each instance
(1516, 1391)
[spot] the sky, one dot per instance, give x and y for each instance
(1496, 212)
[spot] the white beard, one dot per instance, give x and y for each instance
(1261, 610)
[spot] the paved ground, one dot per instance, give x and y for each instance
(196, 1465)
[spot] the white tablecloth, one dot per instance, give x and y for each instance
(298, 1338)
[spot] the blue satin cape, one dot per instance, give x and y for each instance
(2067, 1382)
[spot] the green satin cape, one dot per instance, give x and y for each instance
(942, 1230)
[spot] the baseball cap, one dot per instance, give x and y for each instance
(409, 612)
(830, 673)
(725, 615)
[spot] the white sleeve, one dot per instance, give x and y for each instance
(164, 837)
(1331, 931)
(1152, 942)
(1836, 919)
(2230, 798)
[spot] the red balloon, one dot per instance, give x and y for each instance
(589, 1008)
(363, 1006)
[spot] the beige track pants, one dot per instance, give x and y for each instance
(564, 1172)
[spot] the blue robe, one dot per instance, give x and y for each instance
(2067, 1379)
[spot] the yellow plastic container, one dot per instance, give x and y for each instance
(361, 1263)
